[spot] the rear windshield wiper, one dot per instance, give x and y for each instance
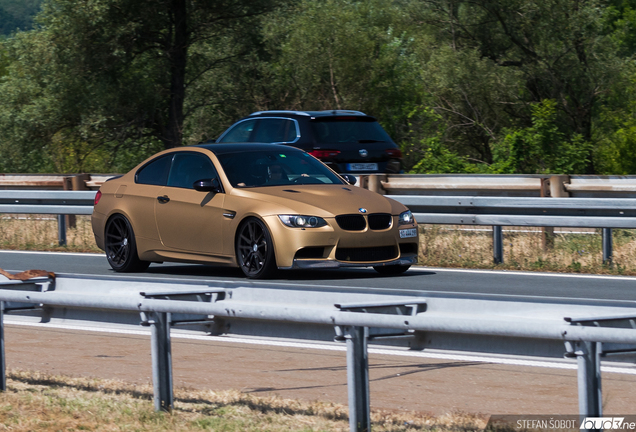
(369, 141)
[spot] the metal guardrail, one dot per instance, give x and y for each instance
(605, 213)
(53, 181)
(581, 330)
(50, 202)
(578, 186)
(47, 202)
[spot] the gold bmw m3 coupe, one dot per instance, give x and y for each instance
(260, 207)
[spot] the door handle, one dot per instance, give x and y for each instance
(163, 199)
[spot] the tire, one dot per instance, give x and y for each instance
(255, 250)
(392, 269)
(121, 247)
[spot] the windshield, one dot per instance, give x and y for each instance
(336, 130)
(275, 168)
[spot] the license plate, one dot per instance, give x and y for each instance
(362, 167)
(406, 233)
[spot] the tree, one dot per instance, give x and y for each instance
(541, 148)
(17, 15)
(322, 55)
(113, 73)
(523, 52)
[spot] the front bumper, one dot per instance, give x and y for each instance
(332, 247)
(330, 264)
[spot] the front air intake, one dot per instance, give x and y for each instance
(369, 254)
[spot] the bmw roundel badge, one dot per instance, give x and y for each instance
(362, 210)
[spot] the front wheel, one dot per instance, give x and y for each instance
(392, 269)
(255, 249)
(121, 247)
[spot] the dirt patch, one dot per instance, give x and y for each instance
(397, 383)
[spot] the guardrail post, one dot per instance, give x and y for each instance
(375, 183)
(358, 379)
(61, 230)
(3, 364)
(76, 183)
(497, 244)
(607, 246)
(161, 361)
(588, 356)
(547, 233)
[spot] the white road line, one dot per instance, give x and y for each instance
(414, 268)
(325, 347)
(522, 273)
(101, 255)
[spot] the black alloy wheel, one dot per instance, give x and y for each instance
(121, 247)
(392, 269)
(255, 249)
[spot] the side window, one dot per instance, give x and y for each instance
(189, 167)
(155, 172)
(240, 132)
(292, 132)
(275, 130)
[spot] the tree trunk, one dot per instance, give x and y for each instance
(177, 58)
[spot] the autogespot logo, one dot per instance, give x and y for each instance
(607, 423)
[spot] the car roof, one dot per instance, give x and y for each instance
(326, 113)
(219, 149)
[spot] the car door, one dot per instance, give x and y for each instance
(189, 220)
(141, 196)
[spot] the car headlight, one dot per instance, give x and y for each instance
(299, 221)
(406, 218)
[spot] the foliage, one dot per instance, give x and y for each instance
(107, 79)
(541, 148)
(498, 86)
(17, 15)
(311, 55)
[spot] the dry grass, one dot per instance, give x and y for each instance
(39, 232)
(53, 403)
(443, 246)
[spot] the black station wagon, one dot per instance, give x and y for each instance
(347, 141)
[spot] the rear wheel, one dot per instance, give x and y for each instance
(392, 269)
(121, 247)
(255, 249)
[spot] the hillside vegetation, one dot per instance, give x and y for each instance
(17, 15)
(493, 86)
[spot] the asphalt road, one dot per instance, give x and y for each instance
(418, 279)
(419, 384)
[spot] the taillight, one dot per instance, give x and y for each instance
(394, 153)
(98, 196)
(323, 154)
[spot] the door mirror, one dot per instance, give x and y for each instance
(208, 185)
(351, 179)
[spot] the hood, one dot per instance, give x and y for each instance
(322, 200)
